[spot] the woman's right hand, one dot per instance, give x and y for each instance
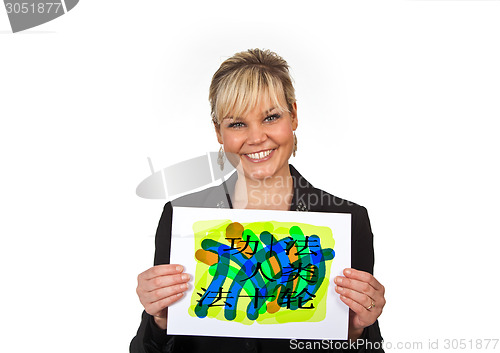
(159, 287)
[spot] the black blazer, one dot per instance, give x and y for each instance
(151, 339)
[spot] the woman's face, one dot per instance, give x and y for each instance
(262, 140)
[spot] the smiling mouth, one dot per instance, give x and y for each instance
(259, 156)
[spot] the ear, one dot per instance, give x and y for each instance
(293, 114)
(217, 132)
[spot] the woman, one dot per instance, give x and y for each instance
(255, 117)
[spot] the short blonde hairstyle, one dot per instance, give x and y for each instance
(245, 79)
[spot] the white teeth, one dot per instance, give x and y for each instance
(259, 155)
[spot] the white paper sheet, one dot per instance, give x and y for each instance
(181, 322)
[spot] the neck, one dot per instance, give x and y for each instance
(273, 193)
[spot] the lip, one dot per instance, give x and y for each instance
(260, 159)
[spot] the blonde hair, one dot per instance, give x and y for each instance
(248, 77)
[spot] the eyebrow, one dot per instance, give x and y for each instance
(230, 118)
(269, 110)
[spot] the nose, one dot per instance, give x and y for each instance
(256, 135)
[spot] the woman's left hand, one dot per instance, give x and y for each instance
(364, 295)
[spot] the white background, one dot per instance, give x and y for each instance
(398, 103)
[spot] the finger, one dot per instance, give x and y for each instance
(164, 281)
(354, 305)
(361, 299)
(156, 307)
(162, 293)
(160, 270)
(355, 285)
(363, 277)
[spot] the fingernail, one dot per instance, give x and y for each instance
(185, 286)
(347, 271)
(180, 294)
(340, 289)
(185, 277)
(338, 280)
(179, 268)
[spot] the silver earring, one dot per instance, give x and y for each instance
(294, 144)
(221, 158)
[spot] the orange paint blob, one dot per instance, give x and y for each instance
(273, 307)
(206, 257)
(234, 230)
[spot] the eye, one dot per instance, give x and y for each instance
(273, 117)
(236, 125)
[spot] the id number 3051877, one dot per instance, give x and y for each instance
(478, 344)
(41, 7)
